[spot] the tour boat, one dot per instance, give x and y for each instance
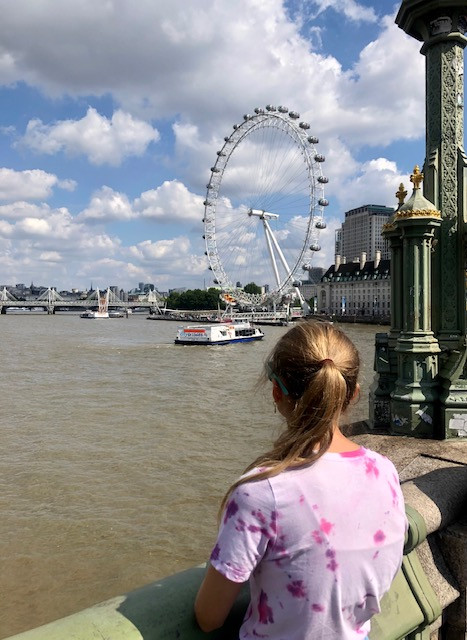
(222, 333)
(94, 314)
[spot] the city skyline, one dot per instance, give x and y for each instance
(112, 118)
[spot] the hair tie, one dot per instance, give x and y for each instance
(325, 361)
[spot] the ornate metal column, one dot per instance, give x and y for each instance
(414, 399)
(441, 26)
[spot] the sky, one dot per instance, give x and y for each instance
(113, 111)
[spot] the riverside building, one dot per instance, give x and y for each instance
(358, 284)
(361, 233)
(359, 288)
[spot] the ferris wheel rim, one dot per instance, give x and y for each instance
(284, 120)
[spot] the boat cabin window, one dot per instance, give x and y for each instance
(244, 332)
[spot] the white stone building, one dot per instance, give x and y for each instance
(360, 288)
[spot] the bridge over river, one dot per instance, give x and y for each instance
(51, 301)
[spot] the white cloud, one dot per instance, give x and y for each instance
(106, 271)
(174, 255)
(349, 8)
(8, 70)
(50, 256)
(6, 229)
(376, 183)
(387, 94)
(107, 205)
(163, 249)
(67, 185)
(32, 184)
(102, 140)
(171, 202)
(34, 227)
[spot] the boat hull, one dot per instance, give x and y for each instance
(208, 343)
(92, 315)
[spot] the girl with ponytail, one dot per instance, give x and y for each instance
(317, 523)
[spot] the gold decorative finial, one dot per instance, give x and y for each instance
(400, 195)
(416, 177)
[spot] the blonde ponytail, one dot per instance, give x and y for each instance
(318, 365)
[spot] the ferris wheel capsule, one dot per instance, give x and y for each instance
(270, 107)
(282, 109)
(235, 127)
(319, 157)
(323, 202)
(306, 266)
(297, 283)
(215, 170)
(294, 114)
(313, 139)
(246, 116)
(221, 153)
(304, 125)
(323, 179)
(315, 247)
(258, 110)
(320, 224)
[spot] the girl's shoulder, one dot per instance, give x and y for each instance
(252, 492)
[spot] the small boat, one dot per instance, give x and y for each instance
(116, 313)
(225, 333)
(102, 309)
(94, 314)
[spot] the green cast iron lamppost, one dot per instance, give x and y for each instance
(411, 236)
(422, 384)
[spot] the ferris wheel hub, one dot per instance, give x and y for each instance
(264, 215)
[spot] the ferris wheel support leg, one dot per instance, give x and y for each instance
(303, 303)
(268, 234)
(277, 248)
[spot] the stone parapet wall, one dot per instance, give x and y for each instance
(426, 600)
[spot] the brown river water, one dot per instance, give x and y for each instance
(116, 448)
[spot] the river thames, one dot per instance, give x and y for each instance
(116, 449)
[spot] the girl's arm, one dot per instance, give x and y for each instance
(215, 598)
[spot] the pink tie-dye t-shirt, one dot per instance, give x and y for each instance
(320, 544)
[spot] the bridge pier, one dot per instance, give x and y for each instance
(3, 311)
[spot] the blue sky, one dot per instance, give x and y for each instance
(112, 113)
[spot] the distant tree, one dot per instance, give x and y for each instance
(251, 288)
(172, 300)
(194, 300)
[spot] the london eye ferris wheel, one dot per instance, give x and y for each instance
(264, 207)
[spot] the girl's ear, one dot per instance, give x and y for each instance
(356, 394)
(277, 393)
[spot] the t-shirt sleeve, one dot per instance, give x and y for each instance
(248, 526)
